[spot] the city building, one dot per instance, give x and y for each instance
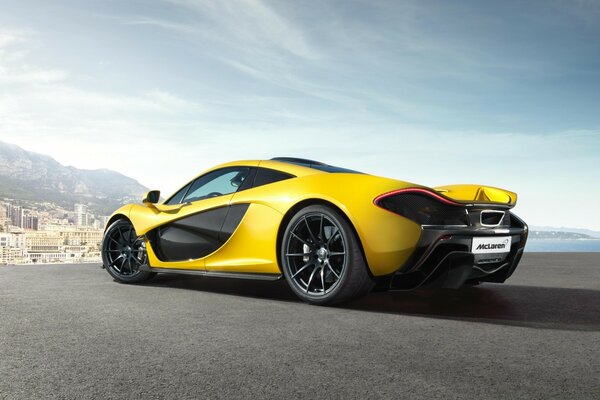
(81, 215)
(15, 214)
(12, 248)
(33, 232)
(10, 255)
(30, 222)
(15, 240)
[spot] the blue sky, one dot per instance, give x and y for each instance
(505, 93)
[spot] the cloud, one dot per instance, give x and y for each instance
(247, 22)
(10, 37)
(164, 24)
(45, 110)
(32, 89)
(405, 90)
(389, 60)
(31, 75)
(587, 11)
(13, 69)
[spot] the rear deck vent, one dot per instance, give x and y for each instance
(492, 218)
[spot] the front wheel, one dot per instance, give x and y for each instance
(124, 253)
(321, 257)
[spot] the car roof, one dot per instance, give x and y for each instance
(314, 164)
(290, 165)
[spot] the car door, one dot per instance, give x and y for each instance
(197, 214)
(252, 248)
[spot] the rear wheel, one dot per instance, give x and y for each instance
(124, 253)
(321, 257)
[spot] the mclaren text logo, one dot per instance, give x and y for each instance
(493, 246)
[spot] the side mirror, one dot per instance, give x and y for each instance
(152, 197)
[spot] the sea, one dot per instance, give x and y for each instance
(563, 245)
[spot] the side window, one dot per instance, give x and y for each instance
(177, 197)
(217, 183)
(265, 176)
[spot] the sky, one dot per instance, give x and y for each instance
(502, 93)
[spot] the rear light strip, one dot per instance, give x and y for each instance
(416, 190)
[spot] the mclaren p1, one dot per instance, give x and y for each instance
(332, 233)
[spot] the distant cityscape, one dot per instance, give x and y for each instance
(67, 226)
(33, 232)
(44, 232)
(51, 213)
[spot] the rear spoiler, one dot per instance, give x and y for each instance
(478, 194)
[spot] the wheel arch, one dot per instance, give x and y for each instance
(115, 218)
(309, 202)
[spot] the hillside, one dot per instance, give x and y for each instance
(25, 175)
(559, 235)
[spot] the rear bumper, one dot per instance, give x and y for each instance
(443, 257)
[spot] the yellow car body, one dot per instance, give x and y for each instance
(388, 241)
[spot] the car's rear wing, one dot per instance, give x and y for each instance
(478, 194)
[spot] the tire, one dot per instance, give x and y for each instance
(321, 257)
(124, 253)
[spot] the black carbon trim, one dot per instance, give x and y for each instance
(233, 219)
(295, 160)
(249, 181)
(197, 235)
(191, 237)
(443, 257)
(216, 274)
(265, 176)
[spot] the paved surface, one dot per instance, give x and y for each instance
(69, 331)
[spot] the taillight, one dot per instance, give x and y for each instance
(423, 207)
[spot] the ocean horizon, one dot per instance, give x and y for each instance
(575, 245)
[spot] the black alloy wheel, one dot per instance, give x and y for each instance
(124, 253)
(321, 257)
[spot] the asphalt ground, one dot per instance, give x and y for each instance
(71, 332)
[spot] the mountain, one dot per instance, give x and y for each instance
(594, 234)
(25, 175)
(559, 235)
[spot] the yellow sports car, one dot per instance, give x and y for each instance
(333, 233)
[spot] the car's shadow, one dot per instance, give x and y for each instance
(530, 306)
